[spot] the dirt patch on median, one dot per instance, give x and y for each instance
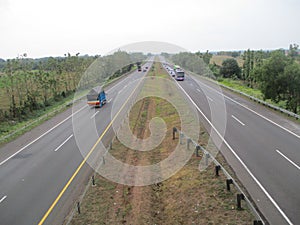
(188, 197)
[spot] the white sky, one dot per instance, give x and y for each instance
(54, 27)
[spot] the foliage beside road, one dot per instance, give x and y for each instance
(275, 73)
(33, 88)
(188, 197)
(219, 59)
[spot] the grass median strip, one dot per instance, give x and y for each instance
(188, 197)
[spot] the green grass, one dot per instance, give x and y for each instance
(38, 118)
(188, 197)
(239, 86)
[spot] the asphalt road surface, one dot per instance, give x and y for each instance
(37, 167)
(262, 147)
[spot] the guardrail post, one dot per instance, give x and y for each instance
(188, 141)
(257, 222)
(239, 198)
(228, 182)
(218, 167)
(78, 207)
(93, 180)
(198, 148)
(206, 158)
(174, 132)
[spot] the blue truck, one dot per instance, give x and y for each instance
(96, 97)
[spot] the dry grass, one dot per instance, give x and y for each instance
(188, 197)
(218, 59)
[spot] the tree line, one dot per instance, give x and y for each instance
(276, 73)
(29, 85)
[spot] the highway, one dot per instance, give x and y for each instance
(37, 167)
(262, 147)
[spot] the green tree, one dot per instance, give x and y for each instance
(230, 68)
(290, 82)
(205, 56)
(293, 51)
(10, 69)
(270, 76)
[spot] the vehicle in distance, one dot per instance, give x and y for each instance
(179, 74)
(176, 67)
(96, 97)
(172, 73)
(139, 68)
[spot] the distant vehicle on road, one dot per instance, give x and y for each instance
(96, 97)
(179, 74)
(172, 73)
(176, 67)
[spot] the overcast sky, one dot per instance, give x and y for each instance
(54, 27)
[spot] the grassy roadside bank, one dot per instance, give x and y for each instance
(240, 86)
(10, 130)
(13, 129)
(188, 197)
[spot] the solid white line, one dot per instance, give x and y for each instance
(94, 115)
(121, 90)
(252, 111)
(63, 142)
(113, 87)
(210, 99)
(238, 158)
(294, 164)
(3, 198)
(237, 120)
(4, 161)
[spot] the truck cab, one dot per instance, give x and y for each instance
(96, 97)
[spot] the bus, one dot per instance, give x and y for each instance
(179, 74)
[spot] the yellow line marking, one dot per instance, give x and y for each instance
(84, 160)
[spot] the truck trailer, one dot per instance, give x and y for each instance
(96, 97)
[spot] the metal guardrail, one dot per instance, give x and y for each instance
(276, 108)
(229, 180)
(289, 113)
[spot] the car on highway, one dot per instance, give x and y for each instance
(172, 73)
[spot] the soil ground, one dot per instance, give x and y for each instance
(188, 197)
